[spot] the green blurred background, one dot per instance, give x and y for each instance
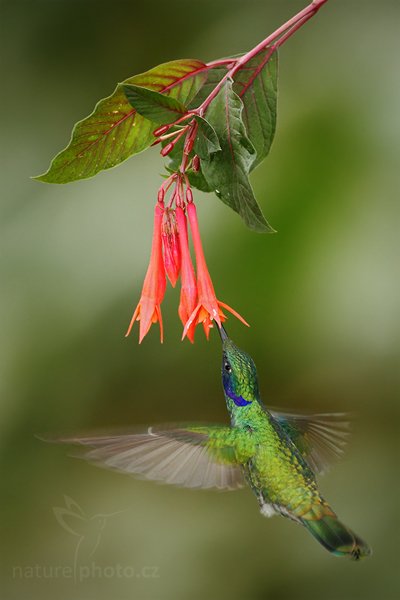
(322, 297)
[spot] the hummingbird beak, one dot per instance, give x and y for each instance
(222, 333)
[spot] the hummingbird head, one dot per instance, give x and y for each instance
(239, 374)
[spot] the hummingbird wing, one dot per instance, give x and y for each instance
(320, 437)
(193, 457)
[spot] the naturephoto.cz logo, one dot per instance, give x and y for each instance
(88, 531)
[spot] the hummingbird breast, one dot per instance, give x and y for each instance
(279, 476)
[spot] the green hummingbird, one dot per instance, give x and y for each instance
(276, 454)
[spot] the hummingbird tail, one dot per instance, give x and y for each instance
(336, 537)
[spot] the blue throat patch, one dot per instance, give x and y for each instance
(238, 400)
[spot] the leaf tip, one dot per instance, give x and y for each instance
(266, 229)
(259, 226)
(46, 178)
(41, 177)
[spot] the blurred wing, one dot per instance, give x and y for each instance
(321, 438)
(197, 458)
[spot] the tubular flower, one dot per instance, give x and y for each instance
(208, 308)
(148, 310)
(188, 298)
(171, 245)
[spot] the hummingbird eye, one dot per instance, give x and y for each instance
(227, 367)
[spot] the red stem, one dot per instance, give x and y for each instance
(221, 62)
(273, 41)
(303, 16)
(284, 33)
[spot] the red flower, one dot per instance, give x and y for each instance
(148, 310)
(208, 308)
(172, 251)
(188, 298)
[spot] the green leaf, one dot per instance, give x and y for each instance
(227, 171)
(206, 141)
(214, 76)
(256, 84)
(198, 181)
(156, 107)
(115, 131)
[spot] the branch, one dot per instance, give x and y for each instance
(279, 37)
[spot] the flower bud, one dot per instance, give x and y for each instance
(196, 163)
(189, 195)
(188, 146)
(171, 245)
(167, 149)
(161, 130)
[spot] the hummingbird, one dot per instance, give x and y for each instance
(277, 455)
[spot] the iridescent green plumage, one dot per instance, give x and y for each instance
(277, 455)
(280, 456)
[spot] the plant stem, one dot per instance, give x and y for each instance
(233, 65)
(280, 36)
(221, 62)
(302, 17)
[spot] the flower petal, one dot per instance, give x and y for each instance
(188, 298)
(159, 315)
(148, 310)
(231, 310)
(190, 321)
(136, 315)
(148, 316)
